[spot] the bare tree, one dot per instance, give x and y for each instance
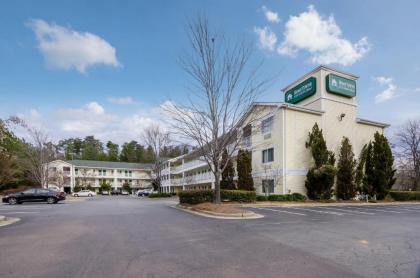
(37, 154)
(158, 139)
(223, 88)
(408, 151)
(58, 178)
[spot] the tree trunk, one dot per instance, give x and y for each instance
(217, 198)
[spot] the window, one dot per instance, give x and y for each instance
(29, 191)
(66, 169)
(54, 169)
(103, 172)
(126, 173)
(268, 186)
(268, 155)
(267, 125)
(247, 132)
(129, 173)
(76, 171)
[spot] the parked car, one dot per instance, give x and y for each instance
(84, 193)
(105, 192)
(145, 192)
(34, 195)
(115, 192)
(124, 192)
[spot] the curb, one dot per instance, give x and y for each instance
(4, 221)
(303, 204)
(218, 215)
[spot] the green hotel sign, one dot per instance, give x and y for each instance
(340, 85)
(301, 91)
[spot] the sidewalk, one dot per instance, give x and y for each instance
(318, 204)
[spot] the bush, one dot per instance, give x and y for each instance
(77, 188)
(196, 196)
(320, 181)
(295, 197)
(160, 195)
(262, 198)
(241, 196)
(405, 195)
(202, 196)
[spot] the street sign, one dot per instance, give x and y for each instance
(341, 86)
(301, 91)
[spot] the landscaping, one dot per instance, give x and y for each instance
(202, 196)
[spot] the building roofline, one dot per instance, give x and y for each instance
(374, 123)
(352, 76)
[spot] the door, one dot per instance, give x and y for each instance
(28, 195)
(42, 195)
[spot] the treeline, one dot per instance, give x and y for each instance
(91, 148)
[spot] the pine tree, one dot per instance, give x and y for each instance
(320, 179)
(244, 168)
(382, 161)
(228, 174)
(360, 170)
(346, 186)
(369, 172)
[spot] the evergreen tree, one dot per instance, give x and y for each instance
(382, 161)
(244, 169)
(346, 186)
(92, 149)
(320, 179)
(360, 170)
(228, 174)
(129, 152)
(113, 151)
(368, 177)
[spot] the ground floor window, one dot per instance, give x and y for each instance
(268, 186)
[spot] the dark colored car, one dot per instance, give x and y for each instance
(115, 192)
(34, 195)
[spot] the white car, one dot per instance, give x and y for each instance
(124, 192)
(84, 193)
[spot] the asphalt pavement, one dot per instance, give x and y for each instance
(125, 236)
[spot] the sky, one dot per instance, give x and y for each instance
(104, 68)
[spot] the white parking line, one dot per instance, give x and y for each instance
(20, 212)
(374, 209)
(284, 211)
(348, 210)
(319, 211)
(400, 208)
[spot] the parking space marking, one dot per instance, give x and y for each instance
(319, 211)
(349, 210)
(284, 211)
(374, 209)
(20, 212)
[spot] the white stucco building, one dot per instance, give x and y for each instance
(67, 174)
(277, 142)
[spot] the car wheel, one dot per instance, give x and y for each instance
(90, 195)
(51, 200)
(76, 195)
(13, 201)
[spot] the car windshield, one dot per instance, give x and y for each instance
(29, 191)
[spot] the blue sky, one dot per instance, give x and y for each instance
(76, 68)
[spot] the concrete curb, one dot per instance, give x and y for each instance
(218, 215)
(303, 204)
(4, 221)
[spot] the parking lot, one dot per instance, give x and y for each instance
(125, 236)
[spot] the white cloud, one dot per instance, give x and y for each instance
(266, 38)
(322, 38)
(390, 89)
(121, 100)
(271, 16)
(65, 48)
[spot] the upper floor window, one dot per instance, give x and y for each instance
(267, 125)
(129, 173)
(268, 155)
(247, 131)
(66, 169)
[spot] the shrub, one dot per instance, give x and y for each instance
(320, 181)
(238, 196)
(261, 198)
(160, 195)
(196, 196)
(77, 188)
(298, 197)
(202, 196)
(405, 195)
(295, 197)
